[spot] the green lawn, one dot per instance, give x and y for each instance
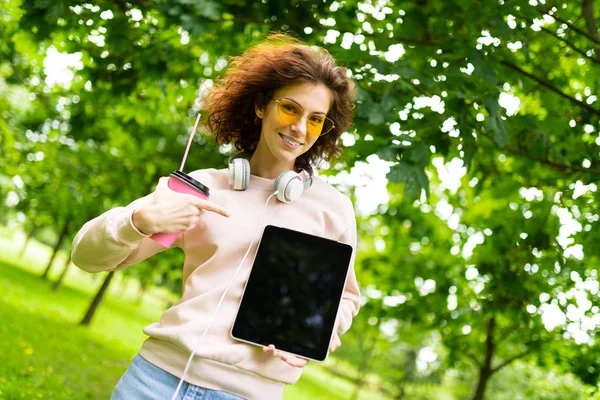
(45, 354)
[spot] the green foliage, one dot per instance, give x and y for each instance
(527, 381)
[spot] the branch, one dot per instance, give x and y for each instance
(506, 334)
(554, 165)
(300, 27)
(554, 35)
(590, 23)
(472, 357)
(552, 88)
(571, 45)
(510, 360)
(570, 25)
(490, 346)
(407, 40)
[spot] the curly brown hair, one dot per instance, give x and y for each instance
(255, 75)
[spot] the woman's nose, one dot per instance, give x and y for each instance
(300, 126)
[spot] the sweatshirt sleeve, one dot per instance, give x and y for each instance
(111, 241)
(351, 297)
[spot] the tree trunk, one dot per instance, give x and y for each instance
(62, 274)
(360, 378)
(141, 294)
(29, 236)
(484, 377)
(363, 366)
(96, 302)
(401, 393)
(61, 238)
(144, 284)
(486, 371)
(408, 369)
(590, 23)
(123, 287)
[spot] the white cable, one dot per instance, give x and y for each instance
(222, 297)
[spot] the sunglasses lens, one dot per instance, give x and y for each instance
(315, 124)
(289, 112)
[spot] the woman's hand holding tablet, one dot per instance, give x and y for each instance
(300, 362)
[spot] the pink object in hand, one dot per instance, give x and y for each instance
(181, 183)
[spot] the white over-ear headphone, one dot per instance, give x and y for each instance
(289, 185)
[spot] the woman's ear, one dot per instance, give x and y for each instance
(259, 106)
(260, 111)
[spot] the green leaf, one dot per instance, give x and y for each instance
(414, 178)
(422, 179)
(401, 172)
(375, 116)
(482, 67)
(495, 122)
(420, 154)
(412, 190)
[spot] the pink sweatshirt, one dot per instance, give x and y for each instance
(213, 251)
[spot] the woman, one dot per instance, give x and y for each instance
(284, 104)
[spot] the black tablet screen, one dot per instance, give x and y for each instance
(293, 292)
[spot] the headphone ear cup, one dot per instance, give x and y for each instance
(289, 186)
(239, 173)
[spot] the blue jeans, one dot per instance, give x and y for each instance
(146, 381)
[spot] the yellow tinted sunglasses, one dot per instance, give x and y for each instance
(291, 112)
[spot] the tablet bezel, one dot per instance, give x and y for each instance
(277, 229)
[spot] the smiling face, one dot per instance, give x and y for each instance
(280, 143)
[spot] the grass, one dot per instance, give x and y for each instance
(45, 354)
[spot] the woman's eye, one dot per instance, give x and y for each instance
(316, 120)
(290, 109)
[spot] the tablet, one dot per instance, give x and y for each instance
(293, 293)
